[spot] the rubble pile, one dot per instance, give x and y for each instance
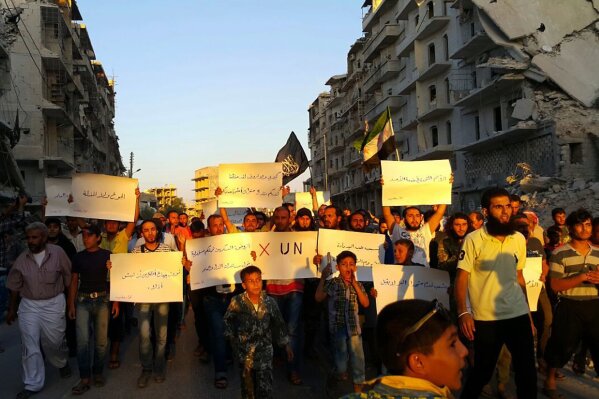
(542, 194)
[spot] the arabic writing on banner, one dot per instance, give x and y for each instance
(532, 274)
(103, 197)
(416, 182)
(394, 283)
(250, 185)
(366, 246)
(304, 199)
(57, 194)
(151, 277)
(285, 255)
(218, 259)
(236, 215)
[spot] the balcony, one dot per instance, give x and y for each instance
(405, 9)
(442, 151)
(477, 44)
(336, 146)
(491, 90)
(409, 124)
(511, 135)
(373, 14)
(435, 110)
(430, 26)
(385, 37)
(433, 70)
(392, 102)
(384, 73)
(407, 85)
(406, 46)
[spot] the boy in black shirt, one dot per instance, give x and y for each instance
(89, 304)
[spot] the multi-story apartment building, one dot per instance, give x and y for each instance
(205, 183)
(458, 89)
(164, 195)
(64, 98)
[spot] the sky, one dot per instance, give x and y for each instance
(200, 83)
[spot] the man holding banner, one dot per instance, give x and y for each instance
(152, 360)
(289, 296)
(116, 241)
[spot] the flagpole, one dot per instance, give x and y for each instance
(394, 137)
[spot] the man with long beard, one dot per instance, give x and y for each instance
(490, 270)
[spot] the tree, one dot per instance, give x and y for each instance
(176, 205)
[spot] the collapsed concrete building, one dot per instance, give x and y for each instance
(61, 93)
(486, 84)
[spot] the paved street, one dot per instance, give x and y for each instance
(188, 378)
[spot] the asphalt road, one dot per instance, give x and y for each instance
(188, 378)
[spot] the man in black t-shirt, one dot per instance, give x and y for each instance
(89, 305)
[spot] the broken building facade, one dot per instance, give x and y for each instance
(484, 84)
(64, 98)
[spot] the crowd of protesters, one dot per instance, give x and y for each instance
(59, 288)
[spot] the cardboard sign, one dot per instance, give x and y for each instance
(532, 274)
(394, 283)
(416, 182)
(103, 197)
(304, 199)
(250, 185)
(57, 194)
(285, 255)
(218, 259)
(151, 277)
(366, 246)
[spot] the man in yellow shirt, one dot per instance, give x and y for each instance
(116, 242)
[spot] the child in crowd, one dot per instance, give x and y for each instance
(251, 322)
(419, 345)
(343, 293)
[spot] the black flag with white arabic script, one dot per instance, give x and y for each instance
(294, 159)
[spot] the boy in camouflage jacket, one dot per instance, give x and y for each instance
(251, 322)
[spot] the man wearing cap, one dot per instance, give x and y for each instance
(39, 277)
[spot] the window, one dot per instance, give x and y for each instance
(431, 9)
(575, 153)
(473, 77)
(435, 135)
(446, 47)
(497, 118)
(477, 127)
(448, 130)
(431, 54)
(447, 90)
(416, 20)
(432, 93)
(472, 30)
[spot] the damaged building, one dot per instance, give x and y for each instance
(61, 93)
(485, 84)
